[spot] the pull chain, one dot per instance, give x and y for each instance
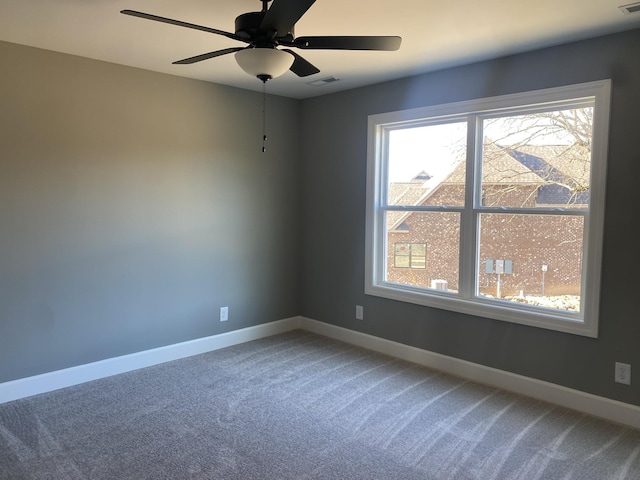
(264, 117)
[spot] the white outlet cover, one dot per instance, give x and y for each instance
(224, 314)
(623, 373)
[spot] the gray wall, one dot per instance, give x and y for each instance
(334, 143)
(133, 205)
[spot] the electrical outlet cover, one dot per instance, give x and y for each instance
(623, 373)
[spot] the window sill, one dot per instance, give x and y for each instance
(547, 318)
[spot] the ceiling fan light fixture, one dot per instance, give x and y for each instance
(264, 63)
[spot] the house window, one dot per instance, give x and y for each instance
(410, 255)
(508, 192)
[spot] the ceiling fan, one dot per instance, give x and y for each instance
(270, 28)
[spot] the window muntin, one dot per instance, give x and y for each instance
(487, 156)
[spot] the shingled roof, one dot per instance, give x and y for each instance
(560, 173)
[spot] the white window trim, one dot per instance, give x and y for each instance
(585, 324)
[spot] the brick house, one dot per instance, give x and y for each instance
(423, 247)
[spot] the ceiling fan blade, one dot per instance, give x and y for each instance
(207, 56)
(171, 21)
(283, 15)
(348, 43)
(301, 67)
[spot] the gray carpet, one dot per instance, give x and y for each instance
(301, 406)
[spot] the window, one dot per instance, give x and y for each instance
(508, 194)
(410, 255)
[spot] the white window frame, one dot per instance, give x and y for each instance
(466, 301)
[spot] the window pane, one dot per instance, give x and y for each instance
(531, 259)
(538, 160)
(418, 262)
(402, 255)
(422, 160)
(432, 240)
(418, 249)
(401, 261)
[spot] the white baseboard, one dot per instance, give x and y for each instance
(47, 382)
(612, 410)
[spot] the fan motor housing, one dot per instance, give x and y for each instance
(247, 26)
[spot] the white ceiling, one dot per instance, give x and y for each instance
(435, 34)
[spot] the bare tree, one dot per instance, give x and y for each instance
(544, 149)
